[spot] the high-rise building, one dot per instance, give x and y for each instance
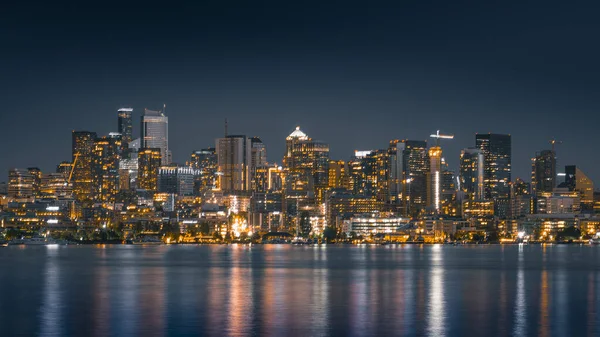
(543, 172)
(415, 166)
(128, 172)
(177, 180)
(259, 152)
(434, 179)
(20, 183)
(155, 133)
(338, 175)
(105, 167)
(234, 153)
(82, 179)
(306, 162)
(374, 174)
(576, 180)
(37, 180)
(496, 150)
(471, 173)
(206, 162)
(54, 184)
(125, 128)
(148, 164)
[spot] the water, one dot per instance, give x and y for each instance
(277, 290)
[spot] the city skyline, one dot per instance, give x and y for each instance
(396, 70)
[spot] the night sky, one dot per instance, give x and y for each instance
(353, 74)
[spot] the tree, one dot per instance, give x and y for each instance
(329, 234)
(569, 233)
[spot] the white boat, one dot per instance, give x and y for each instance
(39, 241)
(595, 240)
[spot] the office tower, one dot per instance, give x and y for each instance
(105, 167)
(259, 152)
(37, 180)
(82, 178)
(176, 180)
(543, 172)
(338, 175)
(54, 184)
(375, 174)
(521, 187)
(234, 153)
(306, 162)
(125, 128)
(258, 164)
(415, 166)
(155, 133)
(20, 183)
(434, 179)
(496, 150)
(148, 164)
(471, 173)
(128, 172)
(206, 162)
(576, 180)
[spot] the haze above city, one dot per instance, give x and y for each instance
(351, 76)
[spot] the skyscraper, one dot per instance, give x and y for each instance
(82, 149)
(148, 164)
(37, 179)
(496, 150)
(177, 180)
(306, 162)
(259, 152)
(415, 166)
(434, 179)
(105, 167)
(234, 155)
(206, 162)
(471, 172)
(543, 172)
(155, 133)
(125, 128)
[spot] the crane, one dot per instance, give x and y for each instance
(554, 142)
(439, 136)
(72, 169)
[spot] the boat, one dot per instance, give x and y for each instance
(595, 240)
(39, 241)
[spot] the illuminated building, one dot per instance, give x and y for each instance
(340, 203)
(477, 209)
(496, 149)
(125, 128)
(259, 152)
(37, 179)
(105, 167)
(206, 161)
(471, 173)
(376, 224)
(415, 167)
(306, 163)
(20, 183)
(375, 174)
(148, 164)
(177, 180)
(234, 161)
(55, 184)
(82, 149)
(543, 172)
(128, 172)
(64, 168)
(559, 201)
(338, 175)
(576, 180)
(434, 179)
(155, 133)
(521, 187)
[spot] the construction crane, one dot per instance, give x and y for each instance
(72, 169)
(439, 136)
(554, 142)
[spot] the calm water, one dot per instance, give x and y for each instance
(300, 290)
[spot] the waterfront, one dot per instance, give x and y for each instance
(300, 290)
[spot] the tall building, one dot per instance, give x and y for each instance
(543, 172)
(373, 177)
(206, 162)
(338, 175)
(306, 163)
(496, 150)
(471, 173)
(37, 180)
(415, 167)
(176, 180)
(155, 133)
(20, 183)
(53, 184)
(434, 179)
(82, 179)
(148, 164)
(125, 128)
(576, 180)
(259, 152)
(234, 155)
(105, 167)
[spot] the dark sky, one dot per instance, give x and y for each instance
(353, 74)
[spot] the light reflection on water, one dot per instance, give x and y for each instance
(299, 290)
